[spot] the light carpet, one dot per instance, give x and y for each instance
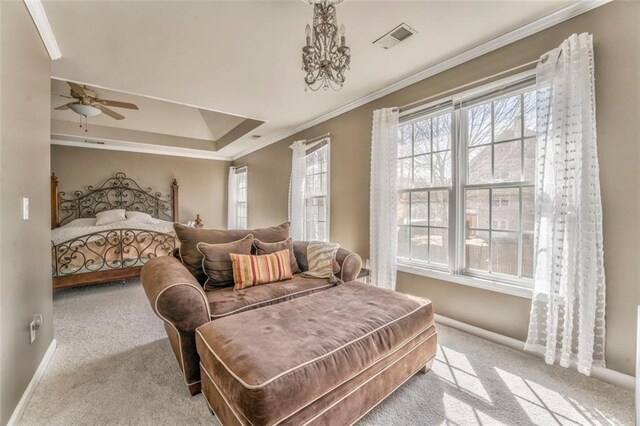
(114, 365)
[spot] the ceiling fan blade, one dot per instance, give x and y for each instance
(118, 104)
(62, 107)
(65, 96)
(111, 113)
(77, 88)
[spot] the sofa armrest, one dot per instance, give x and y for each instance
(175, 295)
(350, 262)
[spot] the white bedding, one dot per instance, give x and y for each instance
(79, 227)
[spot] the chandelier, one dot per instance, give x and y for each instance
(325, 57)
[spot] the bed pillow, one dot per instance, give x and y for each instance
(190, 237)
(252, 270)
(140, 217)
(267, 248)
(216, 261)
(110, 216)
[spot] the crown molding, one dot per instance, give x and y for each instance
(564, 14)
(142, 148)
(36, 10)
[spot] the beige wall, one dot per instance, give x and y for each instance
(617, 52)
(203, 183)
(25, 272)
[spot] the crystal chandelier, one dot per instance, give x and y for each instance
(325, 57)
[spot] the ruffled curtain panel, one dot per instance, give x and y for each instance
(296, 190)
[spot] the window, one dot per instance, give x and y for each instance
(316, 193)
(241, 197)
(466, 192)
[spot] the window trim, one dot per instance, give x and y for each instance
(309, 149)
(456, 272)
(242, 170)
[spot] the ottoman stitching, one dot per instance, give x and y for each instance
(277, 376)
(221, 394)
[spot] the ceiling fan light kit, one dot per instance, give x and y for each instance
(325, 56)
(88, 104)
(86, 110)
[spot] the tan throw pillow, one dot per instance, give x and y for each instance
(321, 257)
(216, 261)
(267, 248)
(249, 270)
(190, 237)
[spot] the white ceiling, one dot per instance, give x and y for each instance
(243, 57)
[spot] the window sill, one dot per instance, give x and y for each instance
(499, 287)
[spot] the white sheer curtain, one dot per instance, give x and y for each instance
(232, 198)
(296, 190)
(567, 313)
(383, 221)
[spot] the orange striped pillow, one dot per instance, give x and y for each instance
(249, 270)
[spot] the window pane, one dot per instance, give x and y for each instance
(507, 162)
(504, 253)
(505, 205)
(477, 208)
(422, 137)
(530, 113)
(480, 164)
(419, 247)
(442, 132)
(404, 140)
(322, 231)
(438, 245)
(422, 171)
(527, 256)
(419, 208)
(403, 208)
(404, 172)
(477, 250)
(322, 209)
(479, 124)
(403, 242)
(439, 209)
(507, 118)
(528, 208)
(442, 168)
(529, 159)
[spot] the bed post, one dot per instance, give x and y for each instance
(174, 199)
(54, 201)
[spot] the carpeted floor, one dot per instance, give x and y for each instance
(114, 365)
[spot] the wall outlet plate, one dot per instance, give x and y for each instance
(25, 208)
(34, 326)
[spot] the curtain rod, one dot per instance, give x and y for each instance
(317, 138)
(464, 86)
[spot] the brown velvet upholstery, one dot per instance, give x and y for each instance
(178, 299)
(352, 345)
(190, 237)
(217, 264)
(226, 301)
(266, 248)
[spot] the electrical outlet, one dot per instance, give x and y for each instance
(34, 326)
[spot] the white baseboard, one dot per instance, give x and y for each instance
(37, 376)
(601, 373)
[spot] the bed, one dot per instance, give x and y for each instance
(85, 253)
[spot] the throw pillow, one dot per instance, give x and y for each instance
(216, 261)
(110, 216)
(267, 248)
(321, 257)
(140, 217)
(250, 270)
(190, 237)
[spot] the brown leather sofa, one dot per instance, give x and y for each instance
(183, 305)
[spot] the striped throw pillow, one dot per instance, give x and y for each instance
(250, 270)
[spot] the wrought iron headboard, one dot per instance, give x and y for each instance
(117, 192)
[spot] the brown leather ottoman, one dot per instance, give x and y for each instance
(327, 358)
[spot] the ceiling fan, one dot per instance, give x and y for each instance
(88, 104)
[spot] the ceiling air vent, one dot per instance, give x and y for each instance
(256, 136)
(395, 36)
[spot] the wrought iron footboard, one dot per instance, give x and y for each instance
(109, 250)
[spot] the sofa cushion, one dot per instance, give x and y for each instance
(217, 263)
(190, 237)
(266, 248)
(225, 301)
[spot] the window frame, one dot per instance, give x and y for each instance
(310, 148)
(456, 271)
(243, 170)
